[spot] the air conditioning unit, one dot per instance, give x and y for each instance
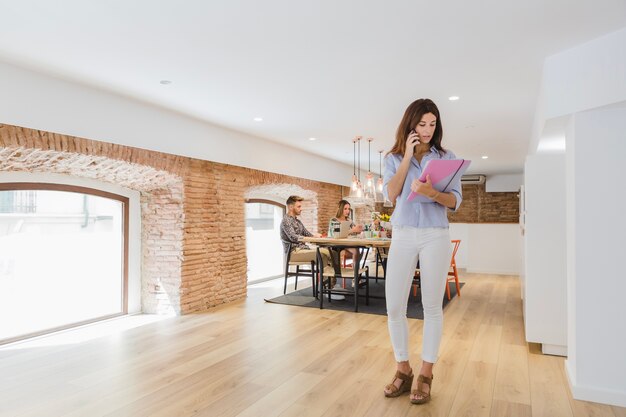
(473, 179)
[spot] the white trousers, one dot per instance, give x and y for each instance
(433, 249)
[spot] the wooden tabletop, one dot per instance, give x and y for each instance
(329, 241)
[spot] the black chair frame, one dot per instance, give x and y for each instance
(358, 265)
(312, 272)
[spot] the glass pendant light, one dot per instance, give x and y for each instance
(355, 181)
(370, 190)
(359, 186)
(387, 202)
(379, 183)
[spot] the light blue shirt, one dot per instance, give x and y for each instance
(414, 213)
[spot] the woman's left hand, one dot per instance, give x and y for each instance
(357, 228)
(424, 188)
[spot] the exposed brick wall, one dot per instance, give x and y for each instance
(162, 221)
(217, 218)
(193, 224)
(480, 206)
(160, 189)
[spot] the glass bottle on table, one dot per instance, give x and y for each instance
(337, 228)
(334, 228)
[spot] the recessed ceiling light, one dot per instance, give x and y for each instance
(453, 98)
(312, 139)
(258, 119)
(485, 157)
(165, 82)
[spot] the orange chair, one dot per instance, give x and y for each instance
(346, 255)
(453, 274)
(416, 279)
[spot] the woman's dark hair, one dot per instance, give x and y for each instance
(342, 204)
(411, 118)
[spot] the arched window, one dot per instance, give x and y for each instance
(63, 257)
(263, 246)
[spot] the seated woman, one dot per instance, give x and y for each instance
(343, 214)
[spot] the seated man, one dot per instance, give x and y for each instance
(292, 229)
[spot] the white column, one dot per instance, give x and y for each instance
(545, 282)
(596, 250)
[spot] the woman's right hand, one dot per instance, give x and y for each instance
(411, 141)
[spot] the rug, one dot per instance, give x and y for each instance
(304, 298)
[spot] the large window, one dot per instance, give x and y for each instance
(62, 257)
(263, 246)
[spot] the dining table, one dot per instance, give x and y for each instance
(362, 246)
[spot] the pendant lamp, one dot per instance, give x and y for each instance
(359, 186)
(379, 183)
(370, 187)
(355, 181)
(387, 202)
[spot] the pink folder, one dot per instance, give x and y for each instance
(444, 173)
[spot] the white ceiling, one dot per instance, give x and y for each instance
(325, 69)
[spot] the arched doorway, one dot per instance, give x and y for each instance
(263, 246)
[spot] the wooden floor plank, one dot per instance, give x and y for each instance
(288, 392)
(475, 394)
(255, 358)
(512, 378)
(504, 408)
(619, 411)
(487, 344)
(547, 390)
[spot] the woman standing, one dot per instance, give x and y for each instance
(420, 231)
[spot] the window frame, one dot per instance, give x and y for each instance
(37, 186)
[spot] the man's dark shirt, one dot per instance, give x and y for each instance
(291, 230)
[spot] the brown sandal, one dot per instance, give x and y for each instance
(424, 397)
(405, 386)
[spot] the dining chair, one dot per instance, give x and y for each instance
(345, 257)
(309, 270)
(381, 259)
(416, 278)
(338, 272)
(452, 275)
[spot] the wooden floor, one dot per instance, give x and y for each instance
(258, 359)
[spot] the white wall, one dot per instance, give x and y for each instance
(581, 82)
(134, 232)
(545, 278)
(503, 183)
(46, 103)
(588, 76)
(488, 248)
(598, 286)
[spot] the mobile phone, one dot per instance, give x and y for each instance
(418, 137)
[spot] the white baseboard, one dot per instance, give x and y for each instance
(492, 271)
(595, 394)
(259, 280)
(556, 350)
